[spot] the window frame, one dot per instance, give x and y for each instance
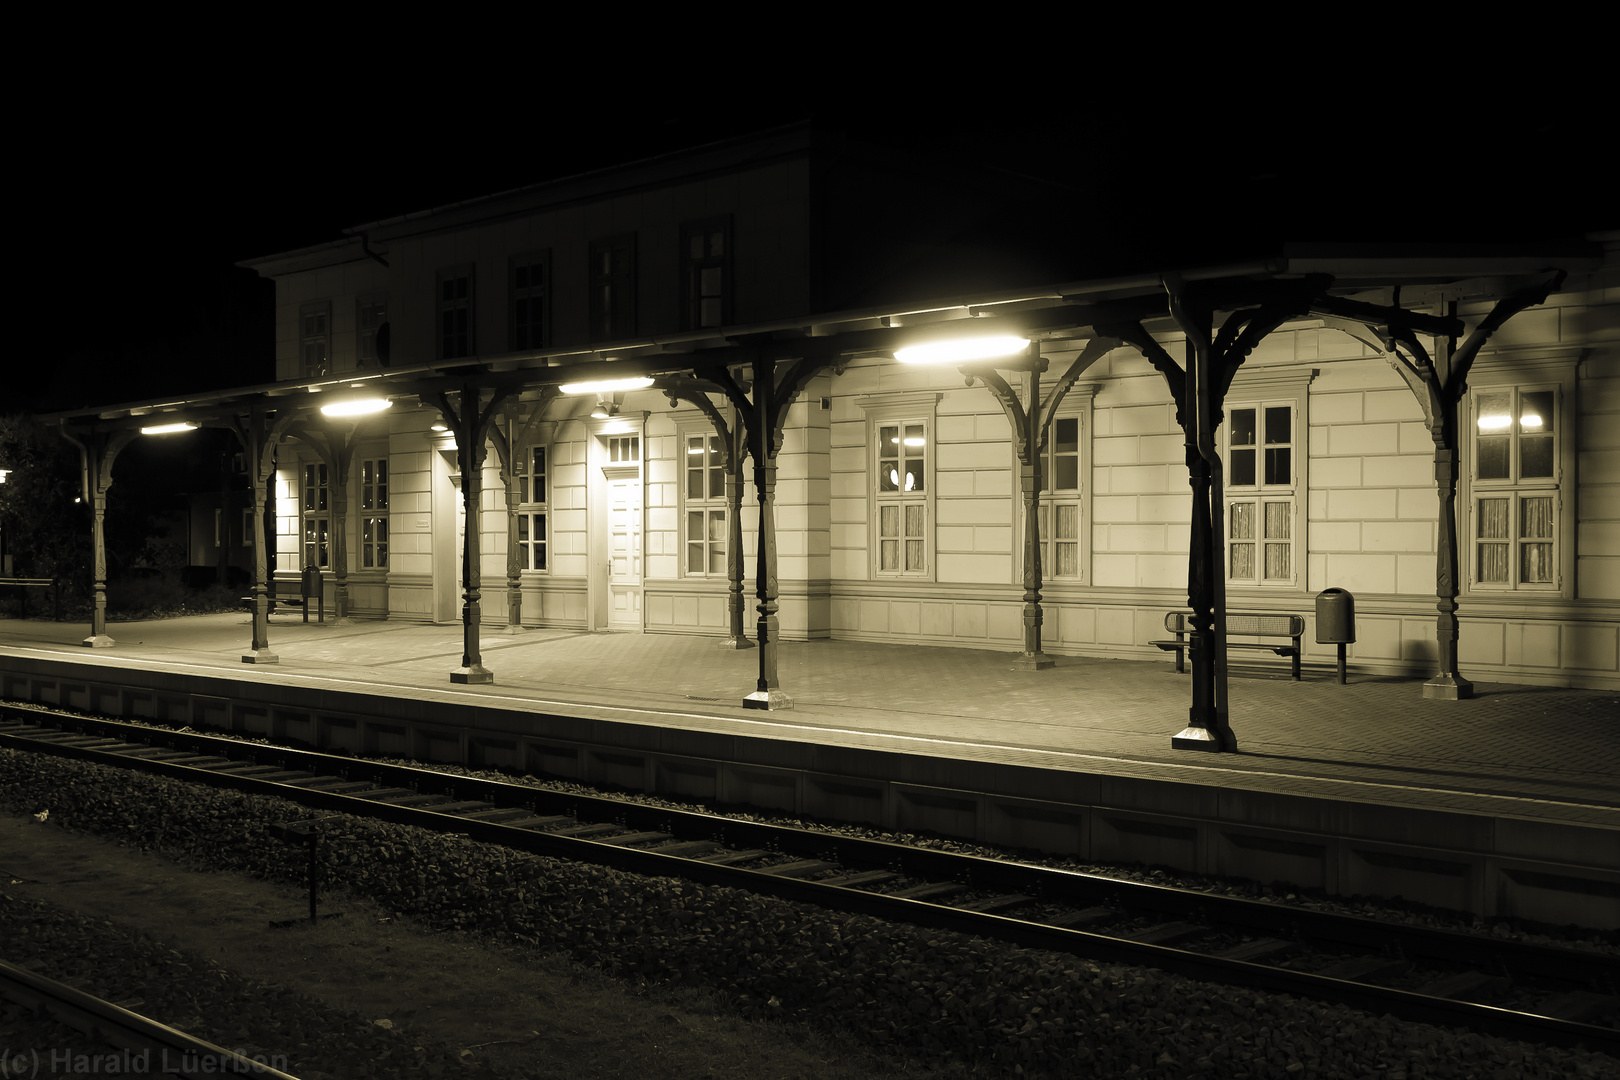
(372, 496)
(534, 510)
(316, 335)
(315, 516)
(713, 502)
(1076, 405)
(1536, 375)
(612, 312)
(1260, 390)
(368, 330)
(444, 347)
(899, 411)
(519, 335)
(694, 267)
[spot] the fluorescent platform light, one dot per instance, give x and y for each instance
(356, 407)
(605, 386)
(962, 350)
(167, 429)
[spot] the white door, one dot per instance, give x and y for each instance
(624, 548)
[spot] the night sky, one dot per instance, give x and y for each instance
(158, 192)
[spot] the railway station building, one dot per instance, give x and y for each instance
(1435, 431)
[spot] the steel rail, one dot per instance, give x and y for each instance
(176, 1053)
(1070, 886)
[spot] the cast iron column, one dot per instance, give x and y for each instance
(470, 456)
(767, 690)
(97, 451)
(736, 604)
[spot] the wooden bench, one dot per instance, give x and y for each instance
(1241, 624)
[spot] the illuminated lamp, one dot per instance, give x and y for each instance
(356, 407)
(605, 386)
(168, 429)
(962, 350)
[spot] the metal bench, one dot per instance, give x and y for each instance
(23, 584)
(1240, 624)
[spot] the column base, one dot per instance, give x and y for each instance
(737, 643)
(260, 656)
(477, 673)
(98, 641)
(767, 699)
(1036, 661)
(1195, 738)
(1448, 688)
(511, 630)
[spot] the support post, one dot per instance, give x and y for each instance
(736, 603)
(470, 453)
(767, 690)
(259, 437)
(1448, 683)
(97, 451)
(1029, 475)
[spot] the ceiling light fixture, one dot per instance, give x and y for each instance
(356, 407)
(606, 386)
(168, 429)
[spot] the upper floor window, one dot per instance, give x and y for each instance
(613, 287)
(706, 274)
(704, 498)
(1516, 434)
(531, 522)
(1261, 493)
(530, 318)
(455, 313)
(315, 339)
(374, 513)
(371, 331)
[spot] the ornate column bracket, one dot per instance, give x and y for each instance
(470, 418)
(259, 436)
(732, 451)
(509, 436)
(98, 449)
(774, 388)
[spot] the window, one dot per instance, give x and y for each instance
(1516, 503)
(1062, 518)
(371, 332)
(900, 483)
(613, 287)
(314, 336)
(455, 313)
(532, 514)
(704, 495)
(706, 274)
(624, 449)
(531, 301)
(374, 513)
(1261, 490)
(902, 498)
(317, 522)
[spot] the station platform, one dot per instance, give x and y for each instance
(1515, 776)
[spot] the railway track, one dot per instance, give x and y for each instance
(1536, 993)
(117, 1040)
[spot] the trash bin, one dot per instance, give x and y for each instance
(1336, 622)
(309, 587)
(1335, 617)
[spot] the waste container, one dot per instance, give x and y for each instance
(1335, 617)
(309, 587)
(1336, 622)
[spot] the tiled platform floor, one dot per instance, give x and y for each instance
(1516, 751)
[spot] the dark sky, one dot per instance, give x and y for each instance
(146, 202)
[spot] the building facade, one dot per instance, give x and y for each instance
(899, 512)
